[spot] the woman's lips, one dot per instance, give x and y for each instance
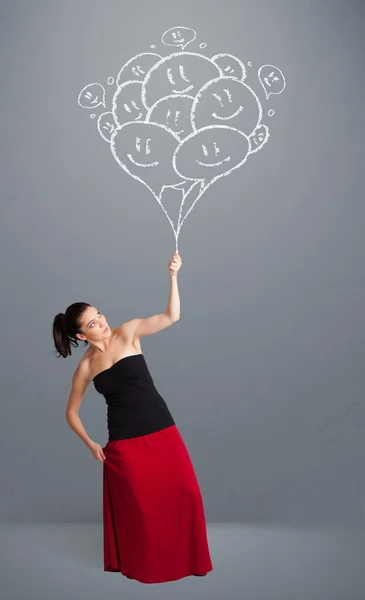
(106, 329)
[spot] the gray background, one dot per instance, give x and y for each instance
(264, 373)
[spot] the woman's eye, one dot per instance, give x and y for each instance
(92, 324)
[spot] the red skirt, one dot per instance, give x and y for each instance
(153, 514)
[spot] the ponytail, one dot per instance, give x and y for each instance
(66, 326)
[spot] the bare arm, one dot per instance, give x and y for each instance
(80, 381)
(142, 327)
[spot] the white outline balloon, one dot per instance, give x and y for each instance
(90, 85)
(259, 76)
(130, 61)
(237, 60)
(204, 187)
(182, 46)
(208, 84)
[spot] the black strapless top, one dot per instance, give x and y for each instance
(134, 405)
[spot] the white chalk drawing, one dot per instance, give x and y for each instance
(178, 36)
(230, 65)
(258, 138)
(126, 103)
(137, 67)
(226, 101)
(272, 79)
(178, 73)
(180, 122)
(92, 95)
(203, 45)
(174, 112)
(106, 125)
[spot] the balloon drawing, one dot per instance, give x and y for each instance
(184, 120)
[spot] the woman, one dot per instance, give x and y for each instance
(153, 514)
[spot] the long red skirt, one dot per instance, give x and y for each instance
(153, 514)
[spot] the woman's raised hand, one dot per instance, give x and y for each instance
(175, 263)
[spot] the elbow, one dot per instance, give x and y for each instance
(70, 415)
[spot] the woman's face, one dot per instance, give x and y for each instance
(93, 324)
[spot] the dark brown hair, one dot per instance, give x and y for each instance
(66, 326)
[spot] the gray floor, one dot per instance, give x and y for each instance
(250, 562)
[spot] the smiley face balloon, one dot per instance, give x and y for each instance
(127, 104)
(106, 125)
(230, 65)
(173, 112)
(137, 67)
(210, 153)
(226, 101)
(144, 151)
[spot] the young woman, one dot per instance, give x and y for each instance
(153, 515)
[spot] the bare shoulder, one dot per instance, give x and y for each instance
(83, 370)
(80, 381)
(126, 330)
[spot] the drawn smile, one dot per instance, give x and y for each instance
(230, 117)
(154, 164)
(214, 164)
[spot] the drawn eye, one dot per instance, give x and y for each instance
(218, 98)
(229, 95)
(182, 73)
(169, 75)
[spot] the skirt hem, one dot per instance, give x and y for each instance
(176, 578)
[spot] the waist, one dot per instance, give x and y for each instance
(131, 429)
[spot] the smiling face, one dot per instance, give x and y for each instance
(173, 112)
(178, 36)
(259, 138)
(226, 101)
(92, 95)
(180, 73)
(137, 67)
(127, 104)
(106, 125)
(230, 65)
(210, 153)
(145, 150)
(142, 152)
